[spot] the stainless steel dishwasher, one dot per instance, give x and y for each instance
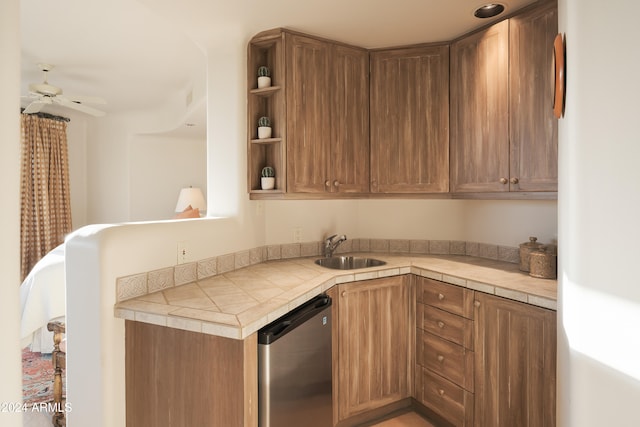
(294, 368)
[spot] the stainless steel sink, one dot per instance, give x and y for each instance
(348, 262)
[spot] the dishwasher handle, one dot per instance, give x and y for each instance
(287, 323)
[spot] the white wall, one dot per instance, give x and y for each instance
(11, 385)
(134, 173)
(506, 223)
(77, 149)
(160, 167)
(599, 207)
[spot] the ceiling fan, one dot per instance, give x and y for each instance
(46, 94)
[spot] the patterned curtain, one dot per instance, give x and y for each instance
(46, 208)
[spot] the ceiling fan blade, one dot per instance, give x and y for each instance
(79, 107)
(35, 107)
(84, 99)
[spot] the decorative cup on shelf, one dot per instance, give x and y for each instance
(264, 128)
(268, 179)
(264, 77)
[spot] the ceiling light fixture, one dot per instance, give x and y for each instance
(489, 10)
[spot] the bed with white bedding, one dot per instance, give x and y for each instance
(42, 299)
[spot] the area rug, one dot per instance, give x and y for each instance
(37, 377)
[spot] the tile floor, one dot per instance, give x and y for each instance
(410, 419)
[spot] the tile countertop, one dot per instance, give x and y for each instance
(238, 303)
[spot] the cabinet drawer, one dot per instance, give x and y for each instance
(447, 359)
(450, 401)
(445, 325)
(451, 298)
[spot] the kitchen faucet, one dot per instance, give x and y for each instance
(331, 243)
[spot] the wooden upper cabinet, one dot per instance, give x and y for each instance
(409, 101)
(534, 129)
(327, 117)
(504, 136)
(480, 111)
(308, 121)
(515, 363)
(375, 344)
(349, 157)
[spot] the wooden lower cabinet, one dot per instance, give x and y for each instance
(444, 350)
(374, 345)
(472, 359)
(177, 378)
(515, 364)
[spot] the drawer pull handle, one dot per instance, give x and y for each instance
(440, 358)
(441, 392)
(440, 324)
(440, 297)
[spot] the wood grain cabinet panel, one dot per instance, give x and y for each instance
(504, 137)
(450, 401)
(327, 117)
(449, 360)
(533, 127)
(308, 118)
(449, 326)
(451, 298)
(178, 378)
(515, 382)
(480, 111)
(375, 347)
(444, 350)
(410, 120)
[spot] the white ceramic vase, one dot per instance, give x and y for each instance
(268, 182)
(264, 81)
(264, 132)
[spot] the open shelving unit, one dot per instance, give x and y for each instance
(267, 49)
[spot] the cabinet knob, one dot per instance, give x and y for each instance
(336, 183)
(344, 293)
(374, 183)
(440, 358)
(440, 324)
(327, 183)
(514, 180)
(476, 303)
(440, 297)
(503, 180)
(441, 392)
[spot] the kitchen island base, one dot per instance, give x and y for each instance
(177, 378)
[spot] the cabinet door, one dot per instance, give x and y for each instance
(349, 93)
(480, 111)
(410, 120)
(515, 361)
(534, 129)
(374, 344)
(308, 113)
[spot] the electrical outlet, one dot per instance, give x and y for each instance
(183, 252)
(297, 234)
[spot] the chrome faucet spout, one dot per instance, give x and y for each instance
(331, 244)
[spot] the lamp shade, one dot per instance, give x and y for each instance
(191, 196)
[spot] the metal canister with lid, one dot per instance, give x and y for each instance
(543, 263)
(525, 251)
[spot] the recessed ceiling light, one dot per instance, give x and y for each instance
(489, 10)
